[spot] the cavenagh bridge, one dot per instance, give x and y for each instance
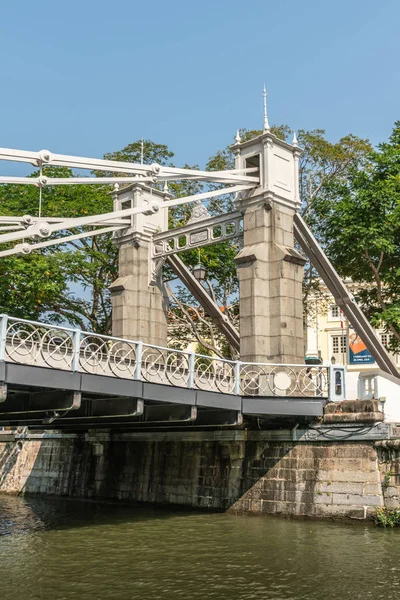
(125, 417)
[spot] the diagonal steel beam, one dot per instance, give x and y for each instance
(26, 248)
(211, 307)
(43, 228)
(342, 296)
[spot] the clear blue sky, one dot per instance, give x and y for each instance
(89, 77)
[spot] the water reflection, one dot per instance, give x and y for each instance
(61, 550)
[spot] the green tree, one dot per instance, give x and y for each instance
(359, 217)
(42, 282)
(67, 283)
(323, 164)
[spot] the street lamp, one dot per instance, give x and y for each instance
(199, 270)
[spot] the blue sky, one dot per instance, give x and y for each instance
(89, 77)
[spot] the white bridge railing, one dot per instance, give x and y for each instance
(43, 345)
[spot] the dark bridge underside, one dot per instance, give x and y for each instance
(45, 398)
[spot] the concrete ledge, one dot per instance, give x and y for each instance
(168, 393)
(353, 411)
(354, 418)
(7, 436)
(218, 400)
(352, 406)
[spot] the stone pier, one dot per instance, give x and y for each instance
(245, 472)
(139, 306)
(270, 270)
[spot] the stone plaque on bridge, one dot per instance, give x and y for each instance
(200, 236)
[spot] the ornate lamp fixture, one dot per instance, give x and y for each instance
(199, 270)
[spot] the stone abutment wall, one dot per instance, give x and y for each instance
(247, 475)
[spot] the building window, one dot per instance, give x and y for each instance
(339, 345)
(386, 338)
(334, 310)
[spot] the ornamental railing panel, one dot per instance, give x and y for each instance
(284, 380)
(52, 346)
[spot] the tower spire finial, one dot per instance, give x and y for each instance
(266, 124)
(237, 138)
(294, 141)
(142, 151)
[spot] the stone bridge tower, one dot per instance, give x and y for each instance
(138, 304)
(270, 270)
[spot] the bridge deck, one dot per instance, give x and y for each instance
(62, 377)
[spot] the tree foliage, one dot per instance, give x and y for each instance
(43, 281)
(360, 220)
(67, 283)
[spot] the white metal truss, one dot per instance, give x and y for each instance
(36, 227)
(195, 235)
(154, 172)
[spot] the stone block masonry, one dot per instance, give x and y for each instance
(244, 474)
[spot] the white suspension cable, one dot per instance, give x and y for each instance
(154, 170)
(40, 190)
(27, 248)
(43, 228)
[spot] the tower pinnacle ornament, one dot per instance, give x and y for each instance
(199, 213)
(266, 124)
(294, 141)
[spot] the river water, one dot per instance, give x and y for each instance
(54, 549)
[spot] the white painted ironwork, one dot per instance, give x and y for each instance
(198, 234)
(199, 213)
(37, 228)
(283, 380)
(44, 228)
(43, 345)
(154, 171)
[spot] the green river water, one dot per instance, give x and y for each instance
(53, 549)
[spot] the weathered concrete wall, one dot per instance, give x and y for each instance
(244, 476)
(389, 466)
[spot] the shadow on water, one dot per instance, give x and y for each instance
(145, 471)
(54, 549)
(19, 514)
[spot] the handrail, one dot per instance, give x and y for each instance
(53, 346)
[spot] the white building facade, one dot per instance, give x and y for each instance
(331, 338)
